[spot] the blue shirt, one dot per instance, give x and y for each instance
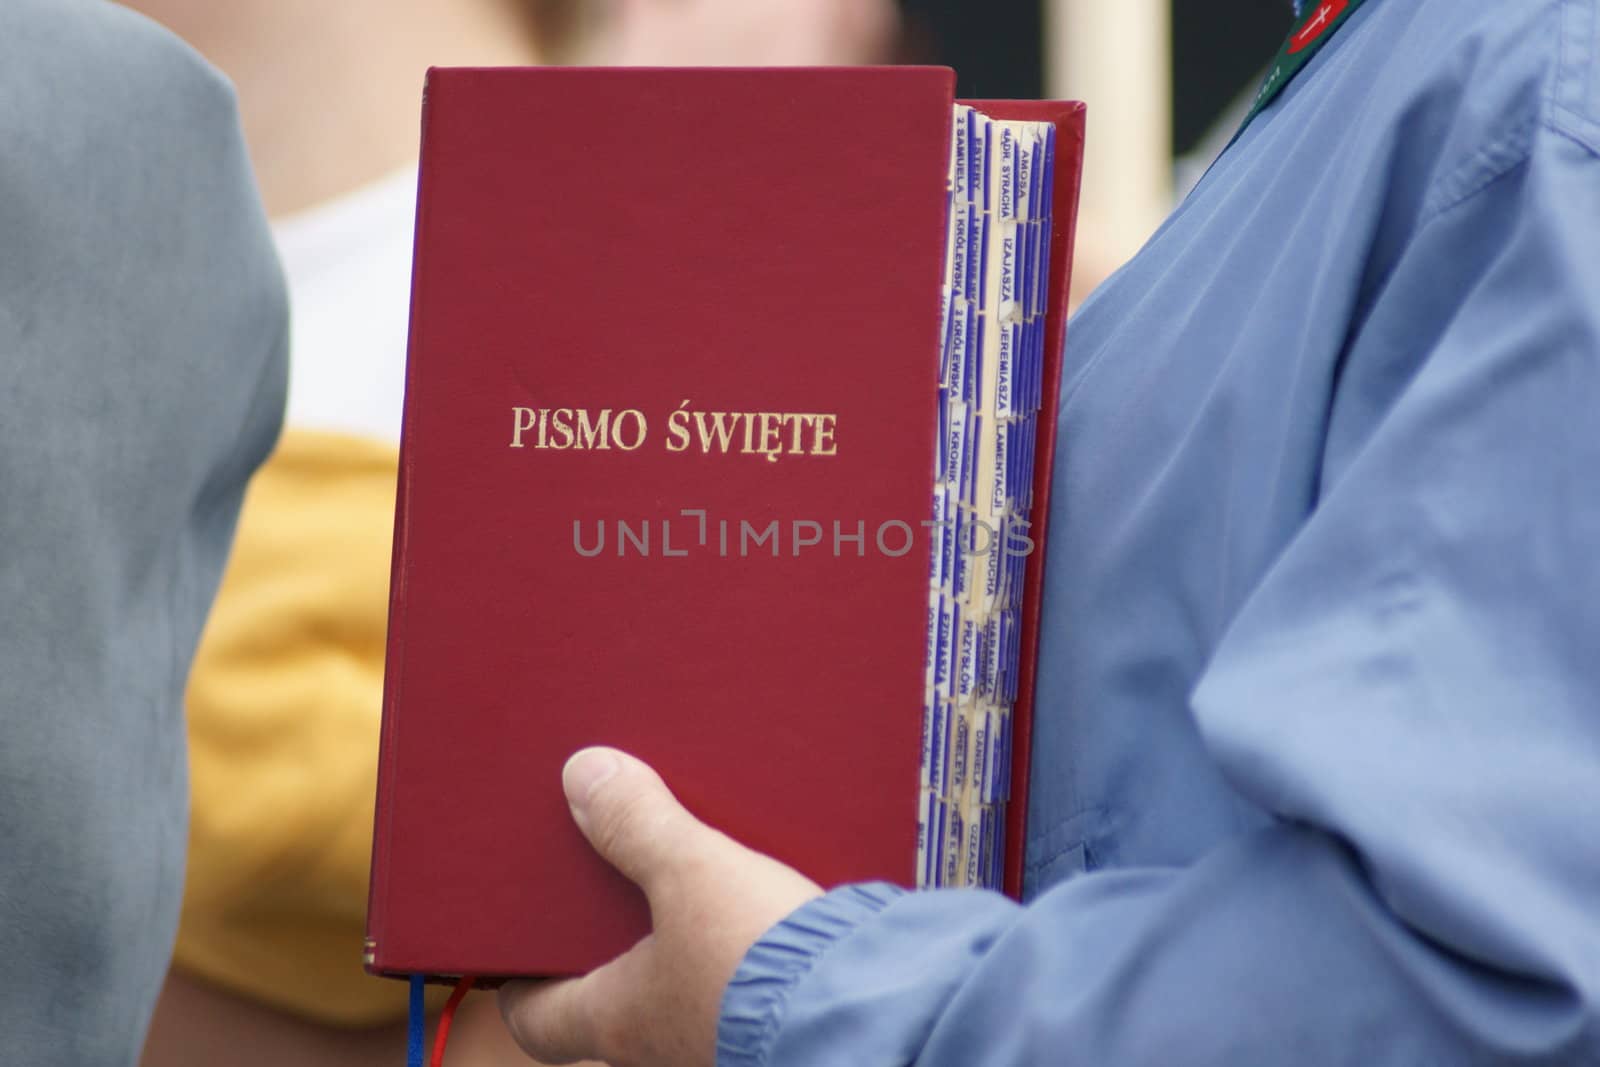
(1316, 773)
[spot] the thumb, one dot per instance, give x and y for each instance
(627, 813)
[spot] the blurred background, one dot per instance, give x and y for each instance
(1166, 82)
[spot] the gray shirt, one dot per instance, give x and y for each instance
(142, 366)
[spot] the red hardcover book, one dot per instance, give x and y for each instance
(671, 396)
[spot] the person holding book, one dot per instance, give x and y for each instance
(143, 324)
(1316, 748)
(284, 701)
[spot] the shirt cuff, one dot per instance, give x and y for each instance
(754, 1002)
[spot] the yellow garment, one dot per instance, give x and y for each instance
(284, 705)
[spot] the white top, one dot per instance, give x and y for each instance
(348, 261)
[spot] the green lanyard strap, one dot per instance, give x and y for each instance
(1306, 40)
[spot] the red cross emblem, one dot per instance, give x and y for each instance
(1317, 24)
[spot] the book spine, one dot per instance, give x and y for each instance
(374, 954)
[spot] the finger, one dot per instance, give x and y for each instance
(554, 1022)
(628, 814)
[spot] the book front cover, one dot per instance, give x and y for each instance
(666, 460)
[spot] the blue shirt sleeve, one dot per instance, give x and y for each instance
(1409, 693)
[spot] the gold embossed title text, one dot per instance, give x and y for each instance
(772, 434)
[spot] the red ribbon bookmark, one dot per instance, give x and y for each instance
(446, 1017)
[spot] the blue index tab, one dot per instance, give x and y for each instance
(956, 349)
(1001, 774)
(994, 566)
(922, 839)
(983, 263)
(926, 849)
(1028, 352)
(955, 444)
(1027, 153)
(1012, 307)
(969, 462)
(949, 634)
(997, 741)
(1023, 429)
(980, 690)
(992, 818)
(941, 512)
(1013, 657)
(1012, 597)
(991, 656)
(1048, 183)
(991, 839)
(997, 655)
(1038, 238)
(949, 230)
(974, 379)
(972, 849)
(999, 716)
(1019, 467)
(954, 834)
(974, 153)
(975, 254)
(960, 250)
(973, 478)
(1008, 207)
(1003, 658)
(1041, 268)
(960, 141)
(961, 737)
(975, 325)
(997, 870)
(1032, 291)
(1010, 333)
(1036, 369)
(949, 547)
(1039, 191)
(1041, 255)
(1031, 219)
(1003, 761)
(961, 559)
(988, 160)
(980, 753)
(1047, 180)
(950, 827)
(967, 667)
(991, 844)
(1016, 441)
(975, 535)
(946, 309)
(941, 661)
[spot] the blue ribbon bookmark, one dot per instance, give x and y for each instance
(416, 1024)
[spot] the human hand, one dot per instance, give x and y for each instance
(710, 900)
(758, 33)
